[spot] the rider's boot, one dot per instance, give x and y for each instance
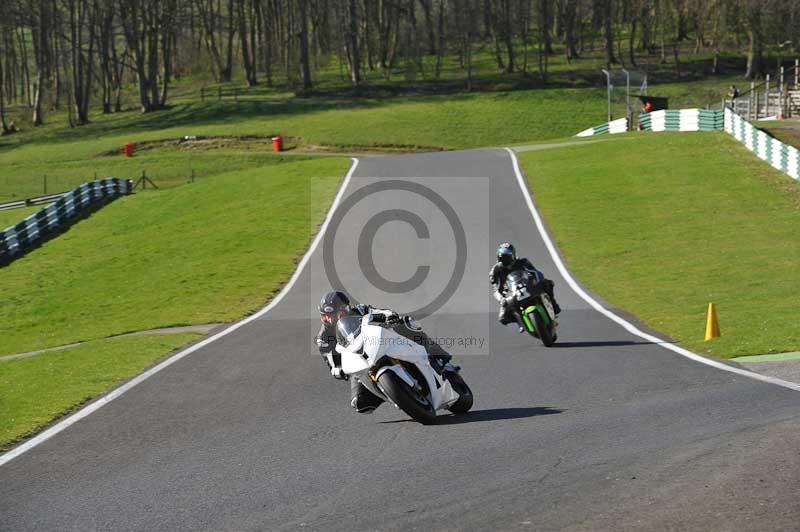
(442, 364)
(520, 323)
(361, 399)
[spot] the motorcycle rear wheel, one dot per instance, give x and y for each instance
(406, 398)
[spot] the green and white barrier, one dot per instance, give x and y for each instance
(781, 156)
(681, 120)
(615, 126)
(18, 239)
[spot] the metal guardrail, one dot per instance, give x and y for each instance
(768, 98)
(784, 78)
(38, 200)
(18, 239)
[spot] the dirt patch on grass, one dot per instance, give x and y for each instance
(264, 144)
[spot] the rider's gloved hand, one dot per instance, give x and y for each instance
(393, 319)
(338, 373)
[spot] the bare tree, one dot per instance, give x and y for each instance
(507, 32)
(352, 48)
(752, 10)
(568, 10)
(146, 25)
(546, 21)
(82, 28)
(217, 32)
(543, 38)
(41, 24)
(492, 23)
(4, 130)
(303, 38)
(244, 10)
(608, 31)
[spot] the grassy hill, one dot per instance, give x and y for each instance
(208, 252)
(402, 112)
(672, 221)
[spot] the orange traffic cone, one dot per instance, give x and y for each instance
(712, 325)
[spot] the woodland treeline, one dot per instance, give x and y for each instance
(73, 54)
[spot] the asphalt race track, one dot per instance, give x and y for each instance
(603, 432)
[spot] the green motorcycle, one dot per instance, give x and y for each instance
(532, 305)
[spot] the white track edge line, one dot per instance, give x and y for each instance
(613, 317)
(102, 401)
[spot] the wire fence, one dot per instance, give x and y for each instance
(20, 188)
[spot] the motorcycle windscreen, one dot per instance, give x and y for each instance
(351, 344)
(348, 331)
(517, 277)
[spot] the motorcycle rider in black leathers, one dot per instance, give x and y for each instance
(507, 262)
(334, 305)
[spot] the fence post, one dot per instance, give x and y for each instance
(780, 87)
(45, 184)
(758, 105)
(796, 73)
(627, 93)
(766, 99)
(752, 95)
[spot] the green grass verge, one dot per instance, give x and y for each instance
(36, 390)
(204, 253)
(669, 222)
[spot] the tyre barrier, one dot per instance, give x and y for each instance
(615, 126)
(766, 147)
(682, 120)
(41, 226)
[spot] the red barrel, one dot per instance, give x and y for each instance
(277, 143)
(127, 148)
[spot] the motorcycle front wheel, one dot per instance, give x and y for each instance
(409, 401)
(464, 402)
(545, 334)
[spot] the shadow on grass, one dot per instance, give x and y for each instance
(490, 414)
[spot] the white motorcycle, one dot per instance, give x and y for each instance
(398, 370)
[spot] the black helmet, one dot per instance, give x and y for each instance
(506, 254)
(333, 301)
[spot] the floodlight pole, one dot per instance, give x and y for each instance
(608, 86)
(627, 93)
